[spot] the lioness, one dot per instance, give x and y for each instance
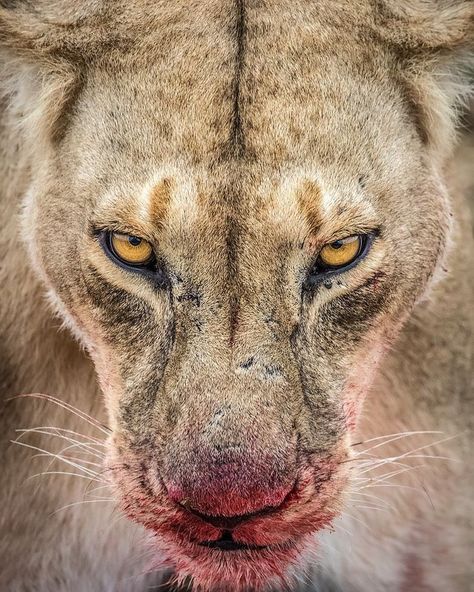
(248, 215)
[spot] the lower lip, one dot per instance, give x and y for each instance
(232, 546)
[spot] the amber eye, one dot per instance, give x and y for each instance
(131, 250)
(341, 253)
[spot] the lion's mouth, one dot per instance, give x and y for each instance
(227, 543)
(219, 550)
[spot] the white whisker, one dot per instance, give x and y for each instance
(375, 497)
(393, 485)
(376, 508)
(383, 462)
(351, 517)
(71, 458)
(394, 437)
(56, 456)
(67, 407)
(80, 503)
(391, 474)
(63, 473)
(92, 441)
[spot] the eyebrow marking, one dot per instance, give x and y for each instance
(309, 198)
(159, 200)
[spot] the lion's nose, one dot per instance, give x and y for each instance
(233, 486)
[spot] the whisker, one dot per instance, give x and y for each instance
(98, 487)
(66, 458)
(87, 490)
(63, 473)
(391, 474)
(351, 517)
(92, 439)
(382, 463)
(81, 414)
(87, 447)
(56, 456)
(72, 446)
(375, 508)
(383, 478)
(435, 457)
(410, 453)
(372, 496)
(79, 503)
(436, 443)
(393, 485)
(394, 437)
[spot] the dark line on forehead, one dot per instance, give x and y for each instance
(237, 135)
(232, 249)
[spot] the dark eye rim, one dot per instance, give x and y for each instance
(320, 271)
(152, 269)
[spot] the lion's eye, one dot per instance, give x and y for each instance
(130, 249)
(341, 253)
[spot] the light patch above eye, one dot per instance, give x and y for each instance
(341, 252)
(131, 250)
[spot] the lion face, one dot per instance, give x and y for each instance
(237, 240)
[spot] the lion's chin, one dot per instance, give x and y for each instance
(211, 569)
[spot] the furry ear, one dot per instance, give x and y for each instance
(427, 25)
(433, 41)
(49, 26)
(43, 46)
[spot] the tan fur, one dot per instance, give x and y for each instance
(238, 138)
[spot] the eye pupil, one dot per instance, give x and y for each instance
(135, 241)
(337, 244)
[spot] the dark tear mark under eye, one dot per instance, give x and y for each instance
(143, 342)
(127, 317)
(356, 310)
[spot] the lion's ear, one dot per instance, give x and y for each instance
(427, 25)
(50, 26)
(42, 43)
(434, 44)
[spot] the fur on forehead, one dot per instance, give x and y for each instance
(431, 41)
(52, 27)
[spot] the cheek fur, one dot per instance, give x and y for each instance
(360, 380)
(110, 380)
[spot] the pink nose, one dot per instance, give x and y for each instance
(225, 502)
(236, 488)
(230, 466)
